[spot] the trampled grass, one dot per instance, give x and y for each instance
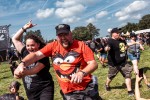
(118, 91)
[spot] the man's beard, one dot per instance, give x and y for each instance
(66, 45)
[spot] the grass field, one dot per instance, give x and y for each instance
(118, 91)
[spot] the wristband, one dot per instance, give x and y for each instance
(84, 73)
(24, 30)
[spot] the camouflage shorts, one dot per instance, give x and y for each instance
(124, 70)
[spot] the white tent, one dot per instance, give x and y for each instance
(142, 31)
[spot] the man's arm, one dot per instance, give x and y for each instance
(29, 59)
(34, 70)
(32, 57)
(91, 67)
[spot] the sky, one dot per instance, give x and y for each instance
(47, 14)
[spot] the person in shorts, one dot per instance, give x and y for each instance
(134, 47)
(117, 60)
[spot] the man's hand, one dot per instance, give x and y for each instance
(19, 71)
(107, 48)
(77, 77)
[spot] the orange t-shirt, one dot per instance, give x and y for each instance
(69, 61)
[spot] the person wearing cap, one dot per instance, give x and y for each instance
(73, 62)
(37, 80)
(117, 60)
(134, 51)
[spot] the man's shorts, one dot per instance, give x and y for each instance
(90, 93)
(124, 70)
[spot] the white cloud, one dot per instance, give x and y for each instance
(123, 17)
(119, 14)
(136, 6)
(67, 3)
(70, 20)
(69, 11)
(130, 10)
(44, 13)
(91, 20)
(101, 14)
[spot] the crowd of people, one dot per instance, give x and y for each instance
(120, 49)
(74, 61)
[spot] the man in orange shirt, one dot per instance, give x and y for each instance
(73, 62)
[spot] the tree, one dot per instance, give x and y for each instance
(144, 23)
(130, 27)
(81, 33)
(85, 33)
(93, 30)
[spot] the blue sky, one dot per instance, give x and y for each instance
(104, 14)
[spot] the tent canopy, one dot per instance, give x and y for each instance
(142, 31)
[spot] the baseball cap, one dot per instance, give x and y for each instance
(62, 28)
(115, 30)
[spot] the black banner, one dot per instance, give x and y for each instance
(4, 37)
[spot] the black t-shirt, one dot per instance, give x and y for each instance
(38, 81)
(117, 54)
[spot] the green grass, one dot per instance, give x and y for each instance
(118, 91)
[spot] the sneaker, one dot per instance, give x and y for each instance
(107, 87)
(130, 93)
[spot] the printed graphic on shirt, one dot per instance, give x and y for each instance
(66, 65)
(28, 78)
(122, 49)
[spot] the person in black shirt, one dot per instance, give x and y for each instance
(117, 60)
(36, 78)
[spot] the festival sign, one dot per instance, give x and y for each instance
(4, 37)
